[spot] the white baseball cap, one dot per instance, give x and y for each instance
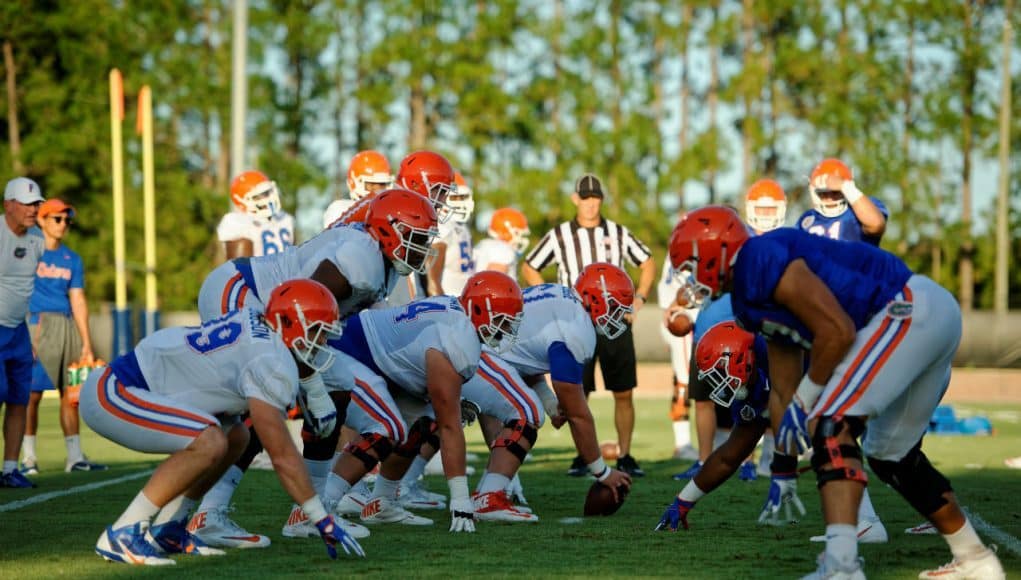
(23, 190)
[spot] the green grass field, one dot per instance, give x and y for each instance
(55, 538)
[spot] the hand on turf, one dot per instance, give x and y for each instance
(676, 514)
(332, 534)
(783, 492)
(792, 437)
(319, 411)
(462, 515)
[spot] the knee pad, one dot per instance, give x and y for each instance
(519, 429)
(827, 449)
(374, 441)
(422, 431)
(915, 479)
(319, 448)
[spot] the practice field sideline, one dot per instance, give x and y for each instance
(55, 538)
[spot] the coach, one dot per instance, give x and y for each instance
(19, 256)
(572, 245)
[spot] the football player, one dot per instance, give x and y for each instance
(368, 173)
(680, 359)
(425, 350)
(258, 226)
(882, 340)
(181, 392)
(454, 262)
(507, 241)
(400, 225)
(840, 211)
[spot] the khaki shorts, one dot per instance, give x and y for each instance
(56, 343)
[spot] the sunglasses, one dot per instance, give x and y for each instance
(61, 219)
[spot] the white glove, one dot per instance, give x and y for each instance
(783, 492)
(850, 191)
(317, 406)
(550, 403)
(462, 509)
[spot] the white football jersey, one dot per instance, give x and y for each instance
(552, 313)
(350, 248)
(336, 209)
(458, 263)
(268, 237)
(493, 251)
(667, 291)
(217, 366)
(400, 337)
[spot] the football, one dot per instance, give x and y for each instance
(679, 324)
(610, 450)
(600, 502)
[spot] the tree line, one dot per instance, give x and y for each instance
(672, 103)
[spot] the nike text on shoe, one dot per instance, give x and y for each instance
(214, 527)
(352, 503)
(984, 566)
(173, 538)
(130, 545)
(381, 510)
(495, 506)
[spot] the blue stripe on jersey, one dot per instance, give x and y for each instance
(244, 267)
(128, 372)
(353, 343)
(563, 366)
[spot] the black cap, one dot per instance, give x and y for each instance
(588, 185)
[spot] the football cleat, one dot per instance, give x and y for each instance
(84, 465)
(262, 462)
(628, 465)
(828, 570)
(299, 526)
(869, 532)
(29, 467)
(214, 527)
(131, 545)
(352, 503)
(495, 506)
(689, 453)
(689, 473)
(435, 466)
(15, 479)
(382, 510)
(985, 566)
(922, 529)
(416, 496)
(578, 467)
(173, 538)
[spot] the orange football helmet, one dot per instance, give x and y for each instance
(725, 357)
(765, 205)
(369, 171)
(461, 201)
(833, 206)
(404, 224)
(510, 225)
(428, 174)
(494, 304)
(305, 314)
(704, 244)
(255, 194)
(607, 293)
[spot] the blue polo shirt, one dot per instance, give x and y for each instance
(58, 272)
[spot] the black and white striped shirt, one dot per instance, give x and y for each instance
(572, 247)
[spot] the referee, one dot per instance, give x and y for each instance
(572, 245)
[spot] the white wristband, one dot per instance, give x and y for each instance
(458, 488)
(314, 509)
(691, 492)
(599, 469)
(808, 393)
(850, 191)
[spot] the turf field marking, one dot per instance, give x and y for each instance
(14, 505)
(1003, 538)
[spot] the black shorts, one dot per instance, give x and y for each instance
(616, 360)
(699, 390)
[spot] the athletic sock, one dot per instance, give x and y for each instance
(223, 490)
(10, 465)
(176, 511)
(842, 545)
(336, 488)
(385, 488)
(965, 543)
(682, 433)
(766, 453)
(493, 482)
(866, 511)
(139, 510)
(28, 448)
(74, 449)
(415, 471)
(317, 472)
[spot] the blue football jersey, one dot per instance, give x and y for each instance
(863, 278)
(843, 227)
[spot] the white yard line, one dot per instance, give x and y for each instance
(1001, 537)
(14, 505)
